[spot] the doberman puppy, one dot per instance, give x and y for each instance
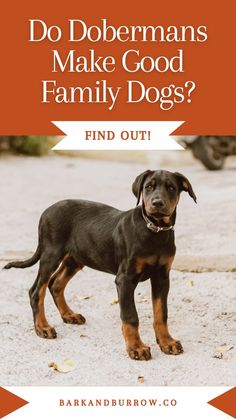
(134, 245)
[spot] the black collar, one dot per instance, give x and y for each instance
(153, 227)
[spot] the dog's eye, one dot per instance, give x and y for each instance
(149, 188)
(171, 188)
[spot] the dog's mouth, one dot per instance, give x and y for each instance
(157, 215)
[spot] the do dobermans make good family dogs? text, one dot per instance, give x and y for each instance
(134, 245)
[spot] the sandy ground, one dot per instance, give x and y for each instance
(202, 302)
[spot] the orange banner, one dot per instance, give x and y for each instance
(9, 402)
(226, 402)
(158, 61)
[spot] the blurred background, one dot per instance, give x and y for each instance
(33, 177)
(28, 145)
(211, 151)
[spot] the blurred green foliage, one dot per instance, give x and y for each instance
(28, 145)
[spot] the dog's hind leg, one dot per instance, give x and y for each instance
(48, 265)
(57, 286)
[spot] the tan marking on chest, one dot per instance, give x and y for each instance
(142, 262)
(166, 260)
(166, 220)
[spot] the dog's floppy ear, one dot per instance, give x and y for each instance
(185, 185)
(138, 184)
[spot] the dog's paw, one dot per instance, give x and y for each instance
(171, 347)
(74, 318)
(46, 332)
(141, 353)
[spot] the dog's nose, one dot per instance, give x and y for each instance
(158, 203)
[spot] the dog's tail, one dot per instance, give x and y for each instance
(25, 263)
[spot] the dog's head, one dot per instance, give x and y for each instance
(160, 191)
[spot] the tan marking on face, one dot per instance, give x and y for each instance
(173, 205)
(141, 262)
(166, 261)
(131, 336)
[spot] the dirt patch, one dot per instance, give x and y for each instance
(207, 263)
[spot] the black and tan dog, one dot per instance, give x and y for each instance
(134, 245)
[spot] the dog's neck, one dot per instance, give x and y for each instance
(165, 223)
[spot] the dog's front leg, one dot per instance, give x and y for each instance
(136, 349)
(160, 288)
